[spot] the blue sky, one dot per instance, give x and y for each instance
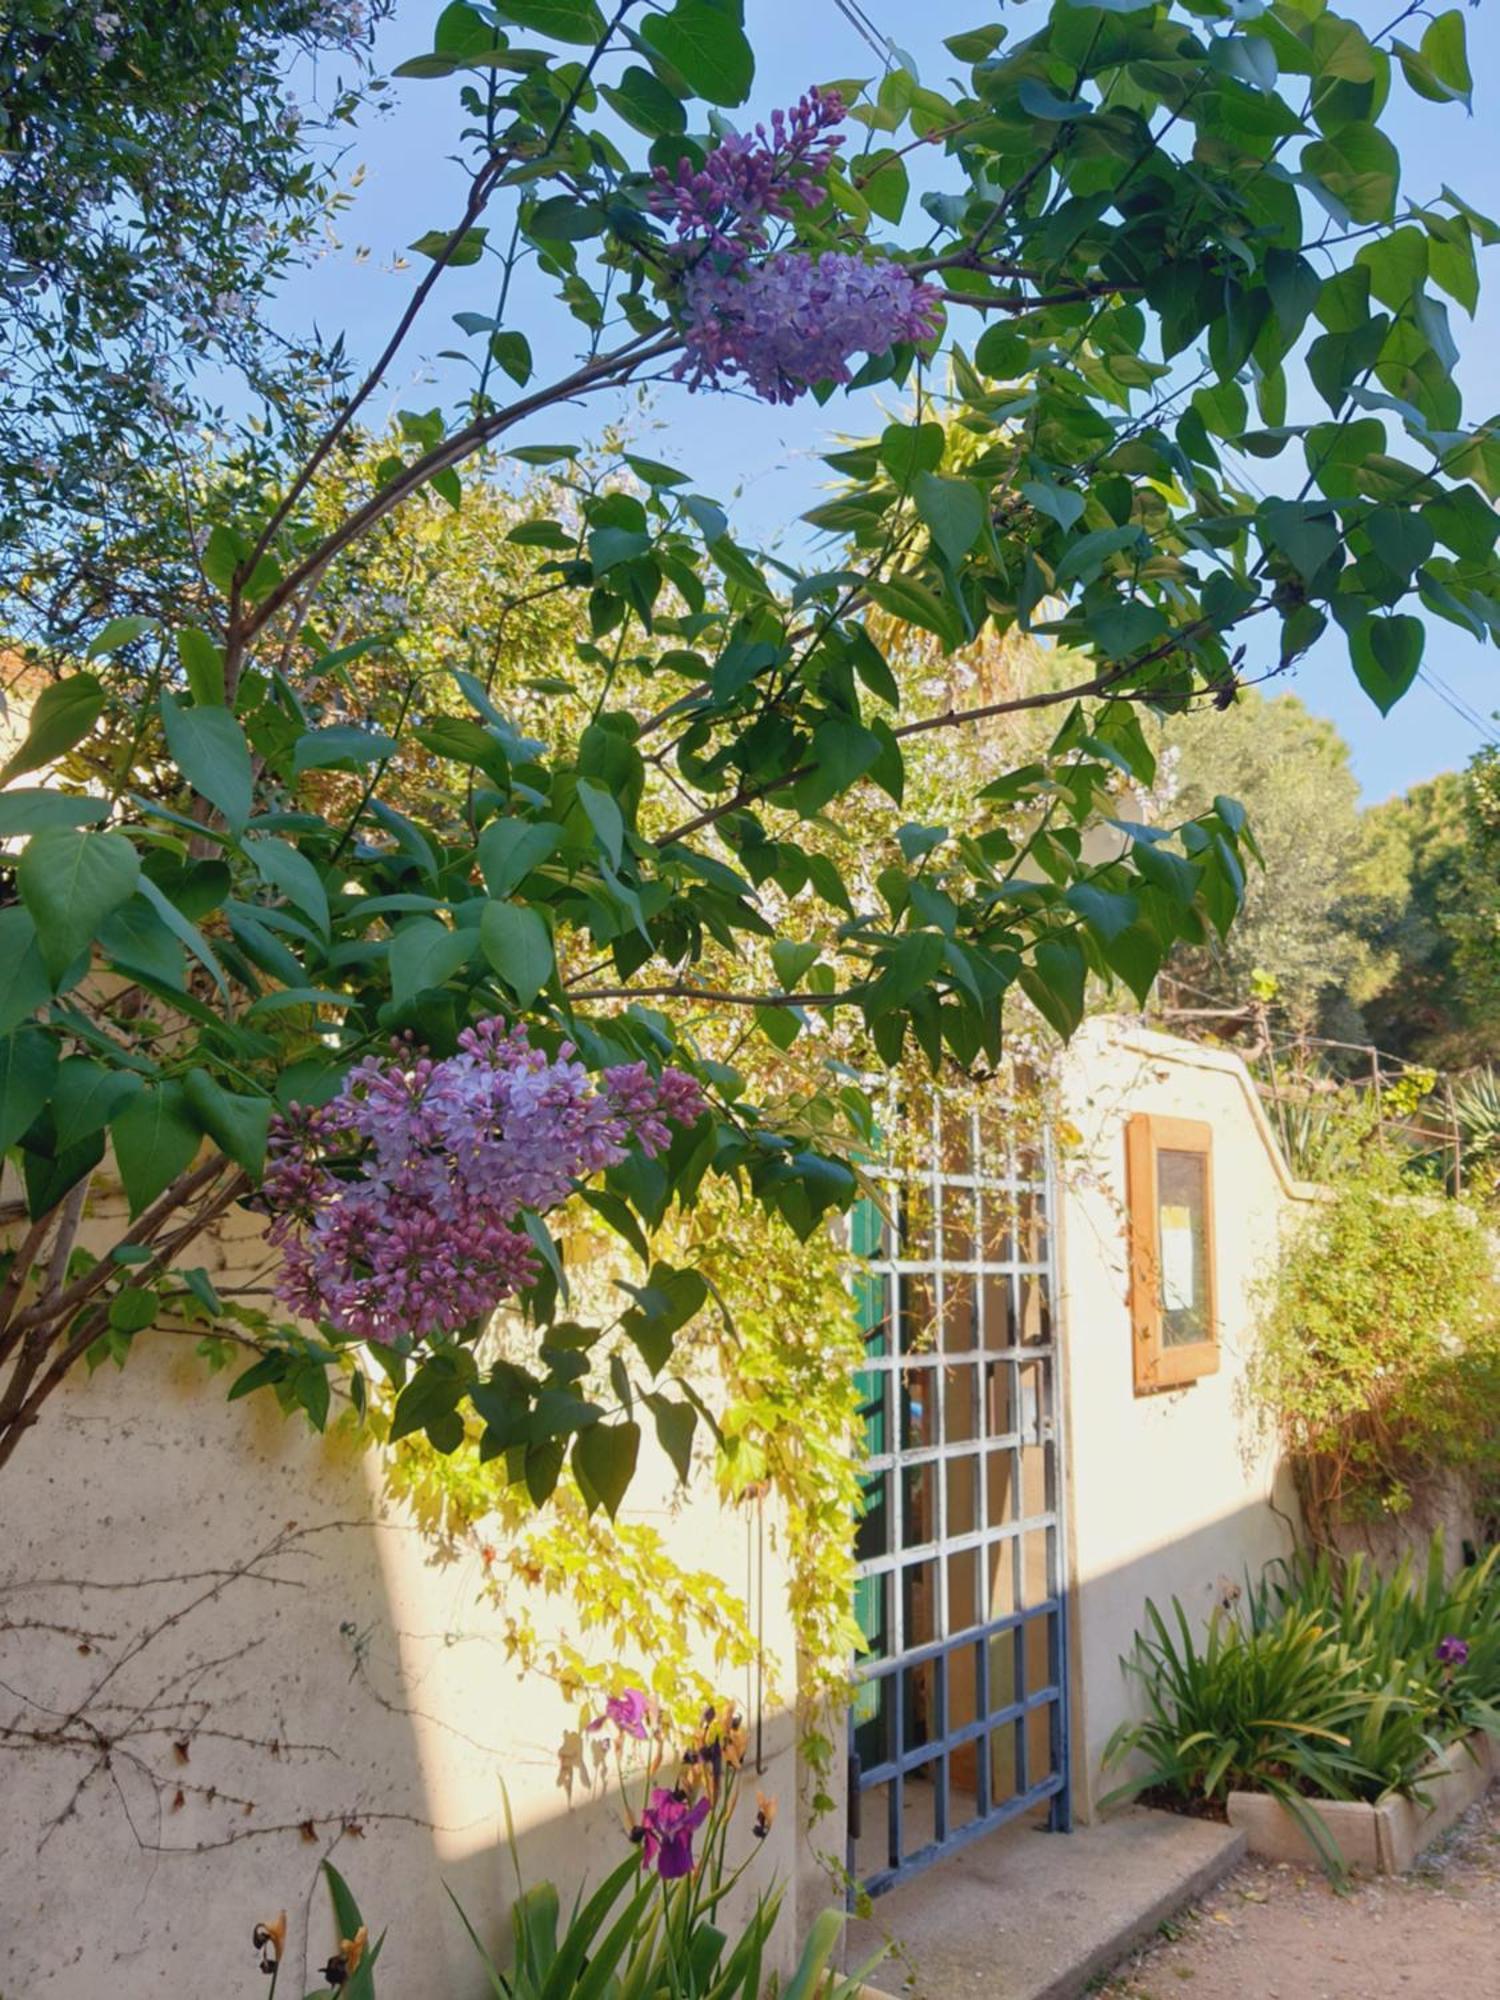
(766, 459)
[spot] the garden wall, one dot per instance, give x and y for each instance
(1171, 1493)
(224, 1654)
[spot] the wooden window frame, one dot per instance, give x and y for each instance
(1158, 1366)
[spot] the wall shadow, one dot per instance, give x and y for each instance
(223, 1659)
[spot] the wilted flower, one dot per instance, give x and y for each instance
(345, 1962)
(1452, 1652)
(269, 1939)
(666, 1833)
(629, 1711)
(765, 1815)
(399, 1206)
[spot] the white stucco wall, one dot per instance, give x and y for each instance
(224, 1654)
(1171, 1494)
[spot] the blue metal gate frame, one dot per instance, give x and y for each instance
(959, 1425)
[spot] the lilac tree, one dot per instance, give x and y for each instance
(1154, 242)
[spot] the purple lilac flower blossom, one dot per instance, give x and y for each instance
(796, 319)
(667, 1828)
(630, 1712)
(399, 1206)
(748, 178)
(1452, 1652)
(779, 320)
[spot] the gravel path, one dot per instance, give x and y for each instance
(1278, 1932)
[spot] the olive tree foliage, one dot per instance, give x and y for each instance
(1157, 242)
(162, 167)
(1324, 886)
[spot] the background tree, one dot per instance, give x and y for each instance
(1291, 771)
(1423, 1011)
(162, 168)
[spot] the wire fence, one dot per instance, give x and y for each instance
(1327, 1098)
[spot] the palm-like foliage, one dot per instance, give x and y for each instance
(1330, 1683)
(1476, 1106)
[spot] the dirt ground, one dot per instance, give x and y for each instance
(1277, 1932)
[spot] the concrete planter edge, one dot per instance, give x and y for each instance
(1383, 1839)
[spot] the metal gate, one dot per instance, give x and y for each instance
(960, 1715)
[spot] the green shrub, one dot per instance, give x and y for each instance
(1325, 1684)
(1379, 1360)
(1243, 1709)
(1396, 1625)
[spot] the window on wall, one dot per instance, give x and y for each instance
(1173, 1313)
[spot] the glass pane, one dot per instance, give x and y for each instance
(1000, 1490)
(963, 1591)
(995, 1119)
(961, 1402)
(1035, 1314)
(919, 1518)
(918, 1408)
(922, 1711)
(999, 1311)
(1034, 1498)
(1181, 1191)
(1032, 1379)
(963, 1697)
(919, 1604)
(956, 1128)
(918, 1314)
(963, 1495)
(874, 1389)
(960, 1314)
(872, 1534)
(872, 1306)
(875, 1722)
(916, 1221)
(1005, 1672)
(999, 1399)
(872, 1613)
(1000, 1567)
(1004, 1776)
(959, 1232)
(868, 1236)
(1031, 1229)
(1036, 1575)
(997, 1233)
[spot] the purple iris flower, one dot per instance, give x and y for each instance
(630, 1713)
(1452, 1652)
(667, 1828)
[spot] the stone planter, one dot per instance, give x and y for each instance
(1382, 1839)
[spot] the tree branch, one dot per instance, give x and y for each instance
(607, 372)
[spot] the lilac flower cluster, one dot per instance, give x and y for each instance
(796, 319)
(724, 206)
(778, 320)
(396, 1206)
